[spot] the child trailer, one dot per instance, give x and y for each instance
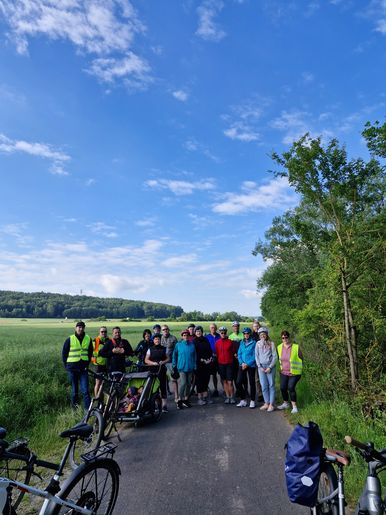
(141, 399)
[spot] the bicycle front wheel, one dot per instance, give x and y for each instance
(94, 418)
(93, 485)
(17, 470)
(110, 416)
(328, 482)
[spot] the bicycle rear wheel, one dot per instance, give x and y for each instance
(94, 418)
(17, 470)
(110, 416)
(328, 482)
(93, 485)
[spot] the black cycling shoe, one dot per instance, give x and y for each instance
(180, 405)
(186, 404)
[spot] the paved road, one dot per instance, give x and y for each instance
(208, 460)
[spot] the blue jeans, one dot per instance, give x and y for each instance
(267, 382)
(77, 377)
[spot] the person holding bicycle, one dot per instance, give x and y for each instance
(291, 366)
(156, 357)
(76, 356)
(116, 350)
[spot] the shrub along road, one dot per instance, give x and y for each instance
(213, 459)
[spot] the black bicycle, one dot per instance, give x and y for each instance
(92, 488)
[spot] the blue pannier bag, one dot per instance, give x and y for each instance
(303, 463)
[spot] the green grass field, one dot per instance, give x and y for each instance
(35, 394)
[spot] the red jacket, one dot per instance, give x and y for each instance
(225, 351)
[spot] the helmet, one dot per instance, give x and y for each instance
(235, 323)
(263, 330)
(191, 325)
(223, 328)
(156, 326)
(198, 328)
(247, 330)
(184, 331)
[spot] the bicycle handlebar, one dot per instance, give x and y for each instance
(369, 452)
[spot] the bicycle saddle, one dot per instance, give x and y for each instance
(81, 429)
(339, 456)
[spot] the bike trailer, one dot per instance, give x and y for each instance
(147, 385)
(303, 463)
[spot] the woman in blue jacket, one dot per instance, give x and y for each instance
(247, 369)
(184, 360)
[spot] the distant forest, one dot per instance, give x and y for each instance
(55, 305)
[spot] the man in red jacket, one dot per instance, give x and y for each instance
(225, 352)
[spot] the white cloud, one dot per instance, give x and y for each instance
(177, 261)
(276, 194)
(146, 222)
(295, 124)
(180, 95)
(43, 150)
(132, 70)
(242, 132)
(244, 118)
(105, 230)
(208, 29)
(249, 294)
(192, 145)
(104, 29)
(180, 187)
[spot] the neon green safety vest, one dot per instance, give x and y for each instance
(296, 364)
(78, 351)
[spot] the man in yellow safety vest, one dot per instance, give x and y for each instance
(76, 355)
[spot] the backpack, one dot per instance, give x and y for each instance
(303, 464)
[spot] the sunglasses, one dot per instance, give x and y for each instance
(284, 337)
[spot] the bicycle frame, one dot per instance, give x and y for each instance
(7, 483)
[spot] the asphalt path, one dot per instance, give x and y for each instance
(206, 460)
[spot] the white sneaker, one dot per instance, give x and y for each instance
(242, 404)
(285, 405)
(295, 410)
(252, 404)
(270, 408)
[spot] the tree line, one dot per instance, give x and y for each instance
(55, 305)
(326, 280)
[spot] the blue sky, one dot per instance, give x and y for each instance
(135, 136)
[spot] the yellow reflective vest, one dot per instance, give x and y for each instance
(296, 363)
(78, 351)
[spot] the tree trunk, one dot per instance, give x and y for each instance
(350, 332)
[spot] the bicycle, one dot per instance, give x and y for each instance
(92, 488)
(331, 498)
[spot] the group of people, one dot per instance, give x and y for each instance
(245, 360)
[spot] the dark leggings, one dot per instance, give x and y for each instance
(163, 382)
(242, 381)
(202, 378)
(288, 384)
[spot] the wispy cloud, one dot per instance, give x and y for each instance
(308, 77)
(181, 187)
(192, 145)
(243, 120)
(177, 261)
(208, 29)
(103, 229)
(104, 29)
(180, 95)
(43, 150)
(294, 123)
(17, 231)
(275, 194)
(146, 222)
(377, 12)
